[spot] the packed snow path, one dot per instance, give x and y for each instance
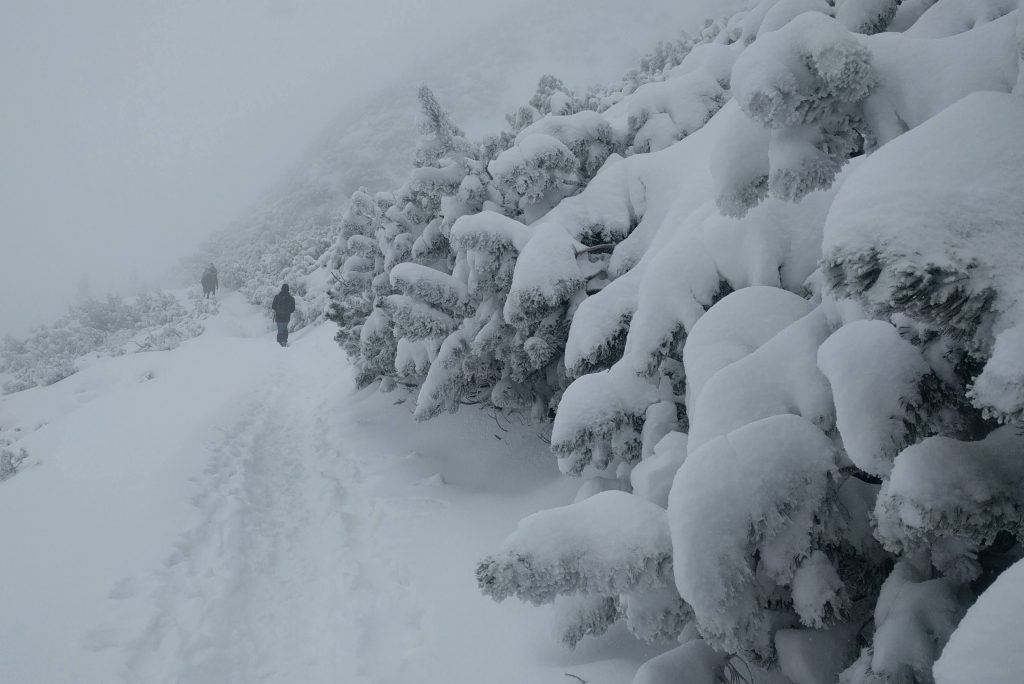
(233, 512)
(273, 552)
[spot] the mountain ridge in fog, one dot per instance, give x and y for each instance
(480, 78)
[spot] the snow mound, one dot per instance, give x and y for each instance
(953, 497)
(733, 328)
(652, 477)
(780, 377)
(985, 648)
(914, 617)
(781, 469)
(701, 663)
(875, 377)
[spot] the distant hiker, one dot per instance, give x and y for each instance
(283, 306)
(209, 281)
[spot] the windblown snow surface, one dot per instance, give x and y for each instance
(231, 511)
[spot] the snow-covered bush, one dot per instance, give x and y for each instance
(768, 289)
(606, 544)
(151, 321)
(10, 461)
(805, 82)
(953, 498)
(751, 513)
(914, 617)
(929, 228)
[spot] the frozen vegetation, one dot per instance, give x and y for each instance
(764, 299)
(769, 286)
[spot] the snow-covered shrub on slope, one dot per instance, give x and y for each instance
(914, 617)
(805, 83)
(953, 498)
(663, 112)
(396, 299)
(746, 512)
(481, 355)
(824, 94)
(609, 543)
(10, 461)
(256, 258)
(676, 314)
(930, 228)
(151, 321)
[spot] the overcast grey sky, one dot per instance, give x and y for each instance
(132, 128)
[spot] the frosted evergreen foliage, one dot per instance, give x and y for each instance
(741, 566)
(914, 618)
(397, 293)
(655, 615)
(606, 544)
(767, 288)
(151, 321)
(359, 259)
(10, 462)
(534, 175)
(480, 357)
(954, 498)
(597, 335)
(440, 137)
(583, 615)
(554, 97)
(913, 234)
(805, 82)
(592, 428)
(660, 113)
(586, 134)
(866, 16)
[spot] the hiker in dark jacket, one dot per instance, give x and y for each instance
(209, 281)
(283, 306)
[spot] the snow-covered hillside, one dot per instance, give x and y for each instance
(486, 72)
(719, 363)
(230, 511)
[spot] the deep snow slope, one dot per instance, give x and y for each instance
(231, 511)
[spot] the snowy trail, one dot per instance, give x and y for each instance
(274, 557)
(234, 512)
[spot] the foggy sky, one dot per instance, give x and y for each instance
(130, 129)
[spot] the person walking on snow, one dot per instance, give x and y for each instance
(209, 281)
(283, 306)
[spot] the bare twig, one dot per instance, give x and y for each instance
(576, 677)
